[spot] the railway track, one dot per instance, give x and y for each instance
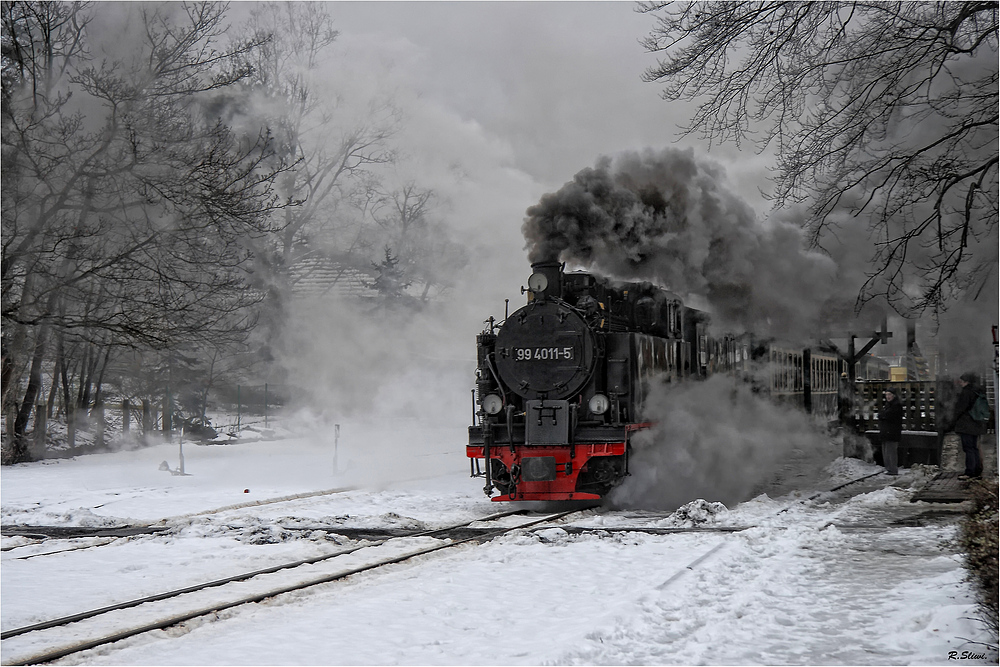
(41, 534)
(52, 645)
(62, 649)
(708, 553)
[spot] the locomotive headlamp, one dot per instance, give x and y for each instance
(537, 282)
(599, 404)
(492, 404)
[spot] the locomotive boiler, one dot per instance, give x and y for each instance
(561, 382)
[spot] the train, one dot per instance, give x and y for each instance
(561, 381)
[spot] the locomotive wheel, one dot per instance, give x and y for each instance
(501, 476)
(601, 474)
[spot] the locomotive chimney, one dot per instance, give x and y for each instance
(546, 279)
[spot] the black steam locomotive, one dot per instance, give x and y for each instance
(561, 381)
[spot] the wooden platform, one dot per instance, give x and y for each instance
(945, 487)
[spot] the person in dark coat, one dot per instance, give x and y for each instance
(967, 428)
(890, 429)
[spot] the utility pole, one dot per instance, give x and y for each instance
(853, 356)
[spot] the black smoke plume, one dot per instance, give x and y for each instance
(669, 218)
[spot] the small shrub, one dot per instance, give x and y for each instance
(978, 537)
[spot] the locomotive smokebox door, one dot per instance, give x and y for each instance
(545, 350)
(546, 422)
(538, 468)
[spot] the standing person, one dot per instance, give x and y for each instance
(967, 428)
(890, 429)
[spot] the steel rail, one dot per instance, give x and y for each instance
(64, 620)
(653, 530)
(156, 525)
(836, 488)
(690, 566)
(703, 557)
(38, 537)
(107, 541)
(256, 503)
(180, 618)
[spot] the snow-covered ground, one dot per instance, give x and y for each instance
(819, 581)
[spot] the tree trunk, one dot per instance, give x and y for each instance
(40, 424)
(19, 447)
(83, 395)
(100, 377)
(66, 406)
(6, 372)
(55, 381)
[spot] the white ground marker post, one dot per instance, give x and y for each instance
(336, 446)
(180, 446)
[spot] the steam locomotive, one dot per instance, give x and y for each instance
(562, 380)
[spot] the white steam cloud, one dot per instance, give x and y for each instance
(716, 440)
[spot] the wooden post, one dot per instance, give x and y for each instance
(126, 415)
(41, 412)
(147, 416)
(99, 438)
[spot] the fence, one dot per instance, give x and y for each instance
(240, 405)
(927, 410)
(918, 399)
(926, 405)
(262, 400)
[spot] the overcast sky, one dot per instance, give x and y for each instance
(559, 81)
(505, 101)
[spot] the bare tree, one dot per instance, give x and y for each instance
(885, 111)
(127, 204)
(332, 150)
(425, 253)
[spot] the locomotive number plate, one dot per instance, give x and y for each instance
(543, 353)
